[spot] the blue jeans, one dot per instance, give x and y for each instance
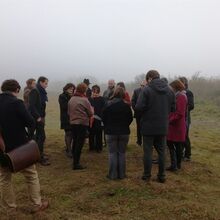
(159, 142)
(117, 162)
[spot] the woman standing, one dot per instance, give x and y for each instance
(117, 116)
(64, 98)
(80, 111)
(177, 126)
(95, 132)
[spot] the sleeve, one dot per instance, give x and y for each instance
(134, 99)
(180, 109)
(142, 100)
(130, 115)
(26, 117)
(32, 104)
(89, 108)
(190, 97)
(173, 102)
(63, 104)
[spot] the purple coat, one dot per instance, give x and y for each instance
(177, 120)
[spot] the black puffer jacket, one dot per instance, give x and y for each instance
(155, 102)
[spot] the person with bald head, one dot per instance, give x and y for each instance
(108, 93)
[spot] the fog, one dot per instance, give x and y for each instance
(68, 39)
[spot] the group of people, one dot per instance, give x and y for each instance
(162, 113)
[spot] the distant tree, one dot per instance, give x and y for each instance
(139, 78)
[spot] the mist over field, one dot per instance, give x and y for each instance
(108, 38)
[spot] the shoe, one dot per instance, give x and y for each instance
(172, 169)
(155, 161)
(45, 156)
(39, 208)
(146, 178)
(79, 167)
(161, 180)
(108, 177)
(186, 159)
(44, 162)
(139, 143)
(69, 154)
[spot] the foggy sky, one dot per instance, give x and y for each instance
(108, 38)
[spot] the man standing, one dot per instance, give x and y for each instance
(137, 115)
(108, 93)
(155, 102)
(88, 91)
(14, 118)
(37, 106)
(190, 107)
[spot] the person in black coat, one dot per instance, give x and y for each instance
(117, 116)
(190, 107)
(137, 115)
(88, 91)
(37, 107)
(95, 132)
(14, 119)
(64, 98)
(155, 102)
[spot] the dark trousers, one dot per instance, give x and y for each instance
(187, 144)
(159, 142)
(79, 134)
(176, 153)
(139, 136)
(117, 162)
(95, 136)
(40, 136)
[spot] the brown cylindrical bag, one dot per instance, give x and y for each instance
(23, 156)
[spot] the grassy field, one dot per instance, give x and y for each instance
(192, 193)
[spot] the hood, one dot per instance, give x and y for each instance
(159, 85)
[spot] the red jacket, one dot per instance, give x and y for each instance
(127, 98)
(177, 120)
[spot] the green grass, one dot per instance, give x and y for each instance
(192, 193)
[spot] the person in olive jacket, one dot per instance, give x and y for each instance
(64, 98)
(117, 116)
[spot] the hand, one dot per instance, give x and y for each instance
(39, 119)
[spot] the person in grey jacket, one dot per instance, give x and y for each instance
(155, 102)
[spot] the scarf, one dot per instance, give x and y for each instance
(43, 93)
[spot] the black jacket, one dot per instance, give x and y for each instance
(155, 102)
(64, 117)
(117, 116)
(36, 107)
(190, 106)
(14, 117)
(98, 104)
(134, 99)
